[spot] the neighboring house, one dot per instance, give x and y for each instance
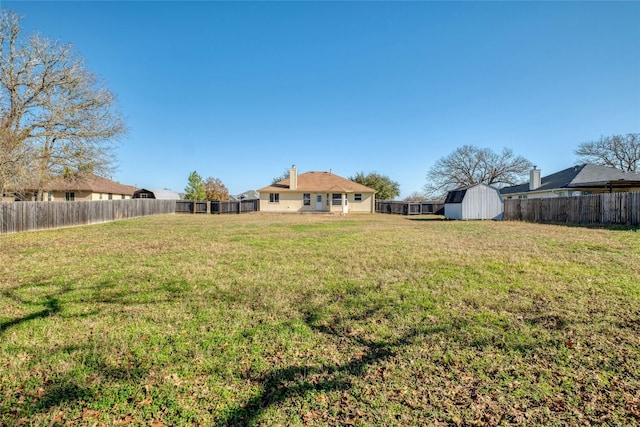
(247, 195)
(83, 187)
(478, 201)
(316, 192)
(574, 181)
(143, 193)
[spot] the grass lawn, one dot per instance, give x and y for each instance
(319, 320)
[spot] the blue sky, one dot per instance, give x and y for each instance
(240, 91)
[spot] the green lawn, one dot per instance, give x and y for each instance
(319, 320)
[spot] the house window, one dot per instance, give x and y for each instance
(306, 199)
(522, 196)
(110, 196)
(100, 196)
(357, 197)
(70, 197)
(49, 196)
(122, 196)
(336, 199)
(274, 197)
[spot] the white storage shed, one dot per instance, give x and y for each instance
(479, 201)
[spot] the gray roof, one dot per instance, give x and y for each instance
(162, 194)
(457, 195)
(166, 195)
(580, 176)
(248, 195)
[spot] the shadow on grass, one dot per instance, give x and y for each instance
(101, 293)
(66, 390)
(427, 217)
(297, 381)
(52, 306)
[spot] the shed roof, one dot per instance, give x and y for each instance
(319, 182)
(457, 195)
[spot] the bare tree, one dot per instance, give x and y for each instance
(618, 151)
(56, 117)
(416, 196)
(215, 189)
(470, 165)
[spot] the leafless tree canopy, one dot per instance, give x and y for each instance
(55, 116)
(618, 151)
(470, 165)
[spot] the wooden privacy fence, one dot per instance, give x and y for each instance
(409, 208)
(606, 208)
(30, 216)
(218, 207)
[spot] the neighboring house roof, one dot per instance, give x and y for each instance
(247, 195)
(309, 182)
(89, 182)
(580, 176)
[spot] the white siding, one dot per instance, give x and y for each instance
(479, 202)
(453, 210)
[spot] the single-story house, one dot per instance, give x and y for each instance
(316, 192)
(479, 201)
(143, 193)
(574, 181)
(83, 187)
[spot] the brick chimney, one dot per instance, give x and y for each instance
(534, 179)
(293, 178)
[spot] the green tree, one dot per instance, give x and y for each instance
(386, 189)
(215, 189)
(195, 190)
